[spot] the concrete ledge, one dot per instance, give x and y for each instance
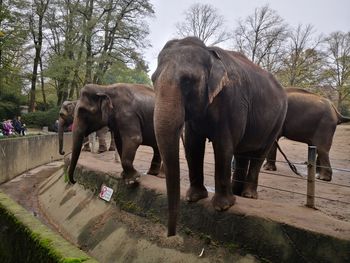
(20, 154)
(24, 239)
(274, 240)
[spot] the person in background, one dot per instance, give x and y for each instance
(18, 126)
(7, 127)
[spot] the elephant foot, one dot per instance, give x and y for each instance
(131, 178)
(196, 193)
(237, 188)
(250, 193)
(270, 167)
(223, 202)
(324, 177)
(154, 169)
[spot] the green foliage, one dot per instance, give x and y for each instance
(345, 109)
(41, 118)
(119, 72)
(9, 106)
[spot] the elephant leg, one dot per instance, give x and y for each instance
(130, 145)
(318, 165)
(86, 144)
(223, 197)
(118, 145)
(112, 145)
(251, 184)
(239, 174)
(325, 166)
(155, 163)
(194, 149)
(270, 164)
(101, 134)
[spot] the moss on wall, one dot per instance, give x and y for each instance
(24, 239)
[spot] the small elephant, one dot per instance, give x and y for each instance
(127, 109)
(310, 119)
(219, 95)
(66, 115)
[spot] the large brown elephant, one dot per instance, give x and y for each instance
(65, 119)
(222, 96)
(310, 119)
(127, 109)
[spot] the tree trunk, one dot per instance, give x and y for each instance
(42, 84)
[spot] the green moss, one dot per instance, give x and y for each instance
(151, 215)
(129, 206)
(206, 238)
(188, 231)
(74, 260)
(232, 247)
(36, 243)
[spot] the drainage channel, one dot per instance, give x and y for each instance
(103, 230)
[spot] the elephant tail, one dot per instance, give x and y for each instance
(292, 166)
(341, 118)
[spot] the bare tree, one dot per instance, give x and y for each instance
(204, 22)
(338, 65)
(303, 61)
(260, 37)
(36, 18)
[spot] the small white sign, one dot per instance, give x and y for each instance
(106, 193)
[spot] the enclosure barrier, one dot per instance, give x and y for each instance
(310, 181)
(311, 174)
(21, 154)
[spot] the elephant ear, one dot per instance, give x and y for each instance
(71, 107)
(105, 104)
(217, 76)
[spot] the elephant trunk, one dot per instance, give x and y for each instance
(169, 120)
(61, 125)
(78, 137)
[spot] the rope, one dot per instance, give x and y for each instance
(292, 166)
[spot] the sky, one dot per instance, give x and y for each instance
(325, 15)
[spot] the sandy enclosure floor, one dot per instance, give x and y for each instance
(332, 198)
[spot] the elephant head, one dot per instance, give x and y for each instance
(188, 77)
(91, 114)
(65, 119)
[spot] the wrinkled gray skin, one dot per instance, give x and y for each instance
(127, 109)
(222, 96)
(66, 115)
(310, 119)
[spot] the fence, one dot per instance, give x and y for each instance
(313, 193)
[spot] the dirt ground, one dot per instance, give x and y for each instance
(332, 198)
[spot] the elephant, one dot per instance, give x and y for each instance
(310, 119)
(127, 109)
(222, 96)
(66, 115)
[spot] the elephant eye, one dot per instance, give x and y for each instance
(188, 81)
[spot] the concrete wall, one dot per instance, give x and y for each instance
(18, 155)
